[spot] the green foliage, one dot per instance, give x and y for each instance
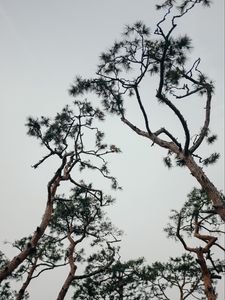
(82, 215)
(198, 220)
(80, 218)
(49, 250)
(105, 90)
(211, 139)
(212, 159)
(140, 53)
(167, 161)
(182, 5)
(120, 281)
(7, 291)
(68, 132)
(118, 73)
(135, 280)
(180, 274)
(3, 260)
(198, 204)
(186, 4)
(67, 125)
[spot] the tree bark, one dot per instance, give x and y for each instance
(21, 292)
(40, 230)
(72, 272)
(31, 246)
(207, 186)
(195, 170)
(209, 290)
(66, 284)
(121, 291)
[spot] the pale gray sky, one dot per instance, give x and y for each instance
(44, 45)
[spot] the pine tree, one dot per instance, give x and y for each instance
(128, 67)
(64, 137)
(198, 220)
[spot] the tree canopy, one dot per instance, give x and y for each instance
(146, 67)
(143, 57)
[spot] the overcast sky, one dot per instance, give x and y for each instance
(44, 45)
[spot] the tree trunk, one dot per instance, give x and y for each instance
(21, 292)
(66, 284)
(17, 260)
(207, 186)
(72, 272)
(181, 293)
(120, 288)
(196, 171)
(31, 246)
(206, 277)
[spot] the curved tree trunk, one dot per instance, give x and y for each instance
(31, 246)
(195, 170)
(72, 272)
(21, 292)
(207, 186)
(66, 284)
(209, 290)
